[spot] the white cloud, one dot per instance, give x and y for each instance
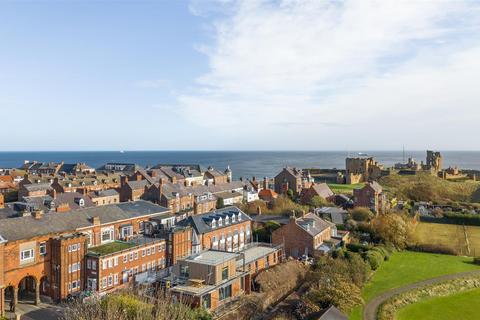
(300, 73)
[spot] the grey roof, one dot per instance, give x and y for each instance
(375, 186)
(107, 193)
(201, 222)
(135, 185)
(170, 189)
(323, 190)
(313, 224)
(331, 313)
(52, 223)
(211, 257)
(229, 194)
(37, 187)
(254, 253)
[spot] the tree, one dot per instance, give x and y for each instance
(220, 203)
(394, 228)
(361, 214)
(335, 290)
(290, 194)
(318, 202)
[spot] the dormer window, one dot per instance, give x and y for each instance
(214, 224)
(69, 185)
(95, 182)
(233, 218)
(220, 222)
(227, 221)
(239, 216)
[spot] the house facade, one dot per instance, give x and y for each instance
(292, 179)
(304, 235)
(45, 253)
(371, 196)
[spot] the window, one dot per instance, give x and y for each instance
(74, 267)
(219, 222)
(149, 266)
(225, 292)
(144, 267)
(214, 223)
(75, 285)
(153, 250)
(136, 255)
(126, 231)
(104, 264)
(225, 273)
(27, 254)
(115, 261)
(153, 265)
(115, 278)
(184, 272)
(144, 252)
(125, 258)
(110, 281)
(131, 256)
(94, 265)
(149, 251)
(110, 263)
(89, 264)
(42, 248)
(104, 282)
(107, 234)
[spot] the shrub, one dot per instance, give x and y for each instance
(361, 214)
(357, 247)
(434, 248)
(374, 258)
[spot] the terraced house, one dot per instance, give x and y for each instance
(53, 254)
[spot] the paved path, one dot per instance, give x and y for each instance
(370, 310)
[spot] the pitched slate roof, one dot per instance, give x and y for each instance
(201, 222)
(323, 190)
(313, 224)
(37, 187)
(331, 313)
(18, 228)
(135, 185)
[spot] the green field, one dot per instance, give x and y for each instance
(450, 235)
(409, 267)
(462, 305)
(345, 188)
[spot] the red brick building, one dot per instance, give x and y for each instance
(321, 190)
(305, 235)
(371, 196)
(44, 254)
(292, 179)
(119, 264)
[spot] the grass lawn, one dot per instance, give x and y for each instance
(408, 267)
(462, 305)
(345, 188)
(449, 235)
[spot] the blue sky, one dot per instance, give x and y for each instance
(226, 75)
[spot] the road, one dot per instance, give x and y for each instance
(370, 310)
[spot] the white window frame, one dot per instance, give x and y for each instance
(31, 254)
(107, 230)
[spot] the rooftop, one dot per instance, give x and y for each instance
(111, 247)
(211, 257)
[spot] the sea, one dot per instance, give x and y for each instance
(243, 163)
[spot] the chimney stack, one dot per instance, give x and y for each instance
(96, 221)
(265, 183)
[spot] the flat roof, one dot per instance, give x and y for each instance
(212, 257)
(254, 253)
